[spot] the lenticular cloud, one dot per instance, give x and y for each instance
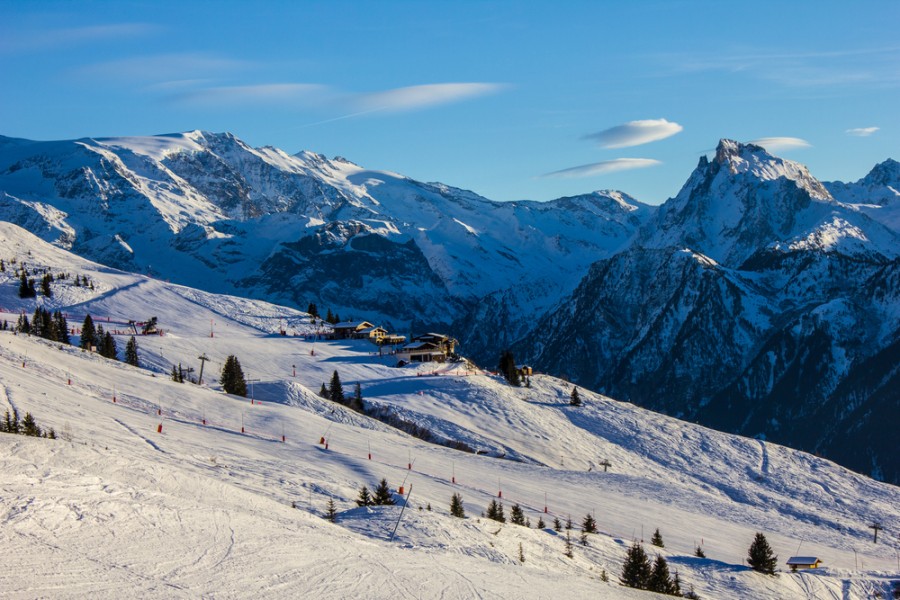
(606, 166)
(635, 133)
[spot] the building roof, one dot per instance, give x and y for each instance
(418, 346)
(803, 560)
(352, 325)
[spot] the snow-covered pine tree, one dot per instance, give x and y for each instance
(540, 523)
(636, 568)
(760, 556)
(382, 495)
(657, 539)
(456, 506)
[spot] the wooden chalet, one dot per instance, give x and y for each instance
(421, 352)
(446, 343)
(804, 562)
(350, 329)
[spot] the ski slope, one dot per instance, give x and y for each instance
(117, 506)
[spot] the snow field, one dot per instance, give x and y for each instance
(205, 510)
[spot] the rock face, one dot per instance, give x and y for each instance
(755, 303)
(208, 210)
(758, 300)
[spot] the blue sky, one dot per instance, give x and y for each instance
(514, 100)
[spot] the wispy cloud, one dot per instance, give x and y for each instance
(862, 131)
(778, 144)
(871, 67)
(635, 133)
(49, 39)
(604, 167)
(295, 95)
(161, 68)
(422, 96)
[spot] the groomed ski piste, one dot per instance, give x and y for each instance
(160, 489)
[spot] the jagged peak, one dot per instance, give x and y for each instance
(884, 173)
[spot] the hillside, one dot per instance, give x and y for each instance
(754, 303)
(116, 505)
(758, 300)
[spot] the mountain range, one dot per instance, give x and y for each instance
(758, 300)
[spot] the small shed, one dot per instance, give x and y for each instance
(804, 562)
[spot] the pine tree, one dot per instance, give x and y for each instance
(589, 524)
(575, 397)
(569, 522)
(356, 401)
(699, 553)
(507, 368)
(23, 325)
(324, 392)
(330, 511)
(568, 551)
(337, 390)
(675, 587)
(174, 374)
(521, 553)
(12, 422)
(329, 318)
(383, 494)
(495, 511)
(540, 523)
(232, 377)
(603, 576)
(108, 348)
(636, 568)
(29, 427)
(657, 539)
(88, 334)
(37, 323)
(365, 498)
(62, 327)
(131, 355)
(761, 557)
(557, 524)
(659, 580)
(691, 594)
(312, 310)
(516, 516)
(456, 506)
(45, 285)
(26, 285)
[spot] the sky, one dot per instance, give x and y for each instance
(513, 100)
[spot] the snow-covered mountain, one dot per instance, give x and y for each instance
(208, 210)
(754, 302)
(160, 489)
(758, 299)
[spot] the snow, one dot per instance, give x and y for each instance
(116, 508)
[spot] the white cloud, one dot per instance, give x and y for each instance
(270, 94)
(72, 36)
(635, 133)
(423, 96)
(777, 144)
(862, 131)
(606, 166)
